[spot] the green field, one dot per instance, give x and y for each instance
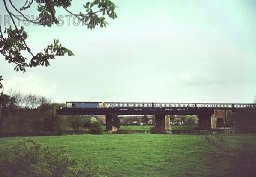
(148, 127)
(154, 155)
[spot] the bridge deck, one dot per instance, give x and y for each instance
(137, 111)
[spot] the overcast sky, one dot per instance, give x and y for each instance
(156, 51)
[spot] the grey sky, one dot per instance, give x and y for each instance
(161, 51)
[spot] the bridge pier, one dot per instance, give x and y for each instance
(110, 123)
(162, 123)
(205, 121)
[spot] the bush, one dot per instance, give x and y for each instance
(95, 128)
(27, 158)
(87, 123)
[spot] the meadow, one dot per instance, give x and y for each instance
(149, 127)
(155, 155)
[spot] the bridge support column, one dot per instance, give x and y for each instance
(162, 124)
(205, 121)
(110, 119)
(109, 123)
(167, 123)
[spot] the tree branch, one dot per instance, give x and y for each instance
(11, 15)
(27, 5)
(77, 16)
(25, 18)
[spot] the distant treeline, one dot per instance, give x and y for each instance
(32, 115)
(22, 115)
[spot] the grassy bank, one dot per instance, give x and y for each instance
(160, 155)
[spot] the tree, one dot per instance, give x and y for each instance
(95, 127)
(145, 119)
(116, 122)
(191, 119)
(76, 122)
(27, 115)
(7, 106)
(13, 40)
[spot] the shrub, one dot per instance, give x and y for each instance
(27, 158)
(87, 123)
(96, 128)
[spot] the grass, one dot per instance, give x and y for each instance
(137, 127)
(148, 127)
(141, 155)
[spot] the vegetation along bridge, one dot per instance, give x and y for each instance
(208, 113)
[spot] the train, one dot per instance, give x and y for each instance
(74, 104)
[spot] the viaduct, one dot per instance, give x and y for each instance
(208, 113)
